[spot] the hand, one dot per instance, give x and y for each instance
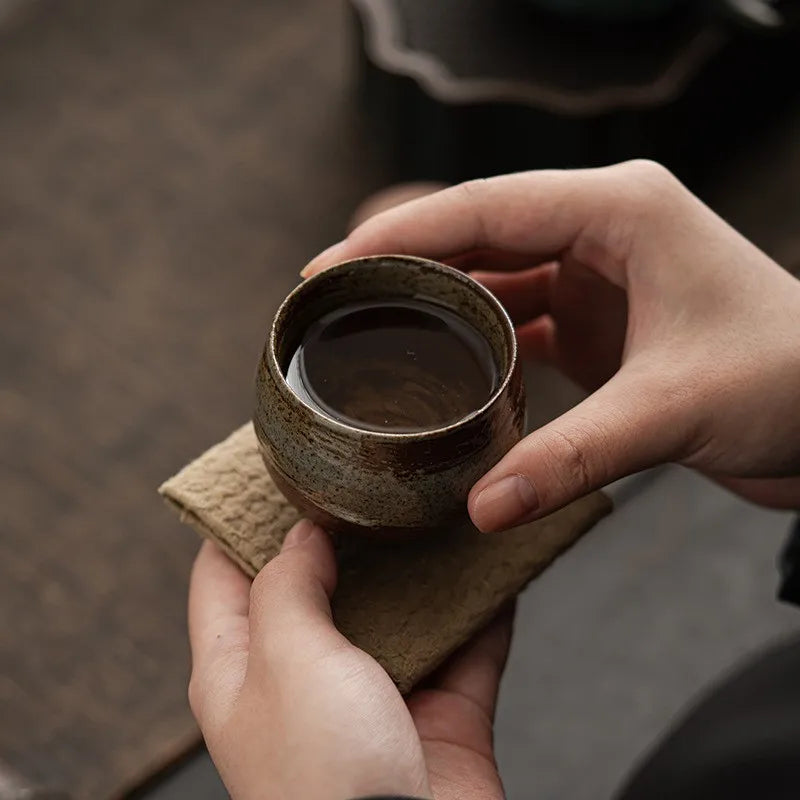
(687, 334)
(289, 708)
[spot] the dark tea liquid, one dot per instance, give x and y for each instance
(397, 366)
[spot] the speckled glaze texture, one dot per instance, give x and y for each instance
(352, 480)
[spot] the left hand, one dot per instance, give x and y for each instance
(289, 708)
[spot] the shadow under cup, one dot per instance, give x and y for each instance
(349, 479)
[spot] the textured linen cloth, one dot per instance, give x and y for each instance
(408, 604)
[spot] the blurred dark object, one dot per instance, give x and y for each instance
(765, 15)
(618, 10)
(464, 88)
(789, 566)
(739, 742)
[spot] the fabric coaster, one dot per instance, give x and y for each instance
(408, 604)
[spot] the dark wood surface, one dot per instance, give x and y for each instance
(165, 171)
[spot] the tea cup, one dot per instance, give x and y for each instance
(383, 483)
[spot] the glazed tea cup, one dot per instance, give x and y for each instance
(349, 479)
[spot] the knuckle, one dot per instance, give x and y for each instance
(576, 462)
(575, 468)
(649, 185)
(649, 172)
(473, 189)
(630, 198)
(642, 196)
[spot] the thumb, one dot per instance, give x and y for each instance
(290, 609)
(630, 423)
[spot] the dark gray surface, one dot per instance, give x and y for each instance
(659, 600)
(654, 605)
(196, 779)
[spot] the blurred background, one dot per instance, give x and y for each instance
(166, 169)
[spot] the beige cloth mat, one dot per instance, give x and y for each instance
(408, 604)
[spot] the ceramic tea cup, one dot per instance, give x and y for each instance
(390, 484)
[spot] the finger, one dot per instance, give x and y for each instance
(632, 422)
(537, 340)
(389, 198)
(541, 214)
(525, 295)
(475, 670)
(290, 601)
(219, 595)
(488, 259)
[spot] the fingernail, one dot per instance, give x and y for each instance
(508, 502)
(324, 257)
(300, 533)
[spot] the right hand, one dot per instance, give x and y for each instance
(687, 334)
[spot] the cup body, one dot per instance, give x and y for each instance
(388, 484)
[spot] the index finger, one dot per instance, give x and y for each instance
(541, 214)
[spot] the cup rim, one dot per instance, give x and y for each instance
(388, 436)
